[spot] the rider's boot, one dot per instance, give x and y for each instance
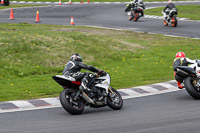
(180, 85)
(83, 85)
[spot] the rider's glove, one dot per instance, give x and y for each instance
(101, 73)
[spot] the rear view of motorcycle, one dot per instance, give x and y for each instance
(171, 18)
(191, 76)
(74, 100)
(135, 10)
(136, 14)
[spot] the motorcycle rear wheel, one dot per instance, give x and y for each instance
(69, 104)
(174, 21)
(115, 102)
(190, 88)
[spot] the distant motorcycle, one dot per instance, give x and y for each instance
(135, 14)
(191, 75)
(171, 18)
(73, 100)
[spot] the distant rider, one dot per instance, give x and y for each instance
(73, 68)
(170, 6)
(133, 5)
(181, 60)
(6, 2)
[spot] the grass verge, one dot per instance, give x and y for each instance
(31, 54)
(186, 11)
(18, 5)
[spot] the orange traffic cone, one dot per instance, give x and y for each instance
(2, 2)
(60, 3)
(37, 20)
(70, 2)
(88, 1)
(81, 1)
(11, 14)
(72, 21)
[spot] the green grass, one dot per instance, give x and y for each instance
(31, 54)
(186, 11)
(94, 0)
(18, 5)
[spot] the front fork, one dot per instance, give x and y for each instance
(112, 93)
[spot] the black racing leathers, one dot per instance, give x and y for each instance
(133, 7)
(181, 62)
(169, 7)
(73, 69)
(129, 7)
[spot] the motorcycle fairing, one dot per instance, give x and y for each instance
(105, 83)
(65, 81)
(187, 69)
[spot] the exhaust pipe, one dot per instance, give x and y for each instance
(88, 99)
(181, 71)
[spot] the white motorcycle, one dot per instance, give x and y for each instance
(73, 100)
(191, 75)
(171, 18)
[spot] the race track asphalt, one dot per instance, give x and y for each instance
(174, 112)
(102, 15)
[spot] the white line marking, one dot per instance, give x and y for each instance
(27, 109)
(52, 101)
(129, 91)
(149, 94)
(22, 104)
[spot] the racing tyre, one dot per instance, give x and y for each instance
(174, 21)
(115, 100)
(165, 23)
(191, 89)
(136, 16)
(67, 101)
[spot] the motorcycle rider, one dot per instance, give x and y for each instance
(181, 60)
(131, 7)
(6, 2)
(73, 68)
(167, 10)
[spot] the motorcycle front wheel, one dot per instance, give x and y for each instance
(115, 100)
(67, 101)
(165, 23)
(190, 88)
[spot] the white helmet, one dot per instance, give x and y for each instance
(169, 1)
